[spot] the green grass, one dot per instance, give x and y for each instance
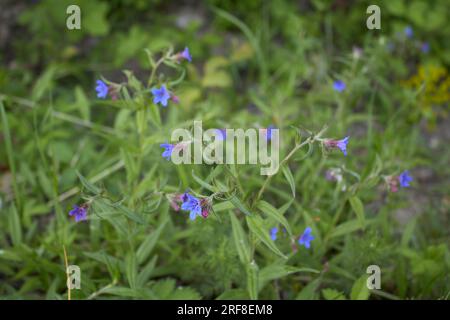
(252, 67)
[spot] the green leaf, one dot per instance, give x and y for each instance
(234, 294)
(256, 225)
(214, 74)
(408, 232)
(239, 205)
(130, 214)
(14, 226)
(358, 207)
(346, 227)
(146, 273)
(289, 177)
(129, 293)
(252, 280)
(131, 269)
(43, 83)
(273, 212)
(277, 270)
(203, 183)
(185, 294)
(285, 207)
(82, 103)
(240, 240)
(309, 292)
(7, 144)
(141, 120)
(86, 184)
(164, 288)
(222, 206)
(331, 294)
(395, 7)
(112, 263)
(360, 290)
(148, 244)
(94, 17)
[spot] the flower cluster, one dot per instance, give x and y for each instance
(202, 206)
(407, 38)
(196, 206)
(161, 95)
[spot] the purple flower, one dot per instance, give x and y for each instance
(102, 89)
(221, 134)
(342, 145)
(306, 238)
(425, 47)
(339, 85)
(168, 150)
(186, 55)
(192, 204)
(161, 95)
(404, 178)
(273, 233)
(408, 32)
(80, 213)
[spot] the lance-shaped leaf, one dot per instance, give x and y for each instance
(256, 225)
(273, 212)
(240, 240)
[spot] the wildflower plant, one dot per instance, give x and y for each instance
(110, 193)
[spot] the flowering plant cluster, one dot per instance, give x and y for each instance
(202, 206)
(268, 154)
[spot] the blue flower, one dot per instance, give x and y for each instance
(221, 134)
(342, 145)
(425, 47)
(192, 204)
(306, 238)
(339, 85)
(408, 32)
(186, 55)
(161, 95)
(168, 152)
(102, 89)
(404, 178)
(273, 233)
(80, 213)
(269, 132)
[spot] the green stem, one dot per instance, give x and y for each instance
(261, 191)
(152, 75)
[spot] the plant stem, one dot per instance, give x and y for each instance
(71, 192)
(66, 262)
(152, 75)
(261, 191)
